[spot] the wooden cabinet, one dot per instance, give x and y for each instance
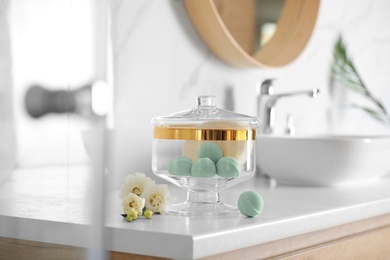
(365, 239)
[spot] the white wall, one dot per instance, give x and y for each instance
(161, 65)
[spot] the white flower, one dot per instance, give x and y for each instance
(135, 184)
(158, 198)
(133, 201)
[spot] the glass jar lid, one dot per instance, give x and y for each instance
(206, 122)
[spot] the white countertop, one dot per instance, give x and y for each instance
(50, 205)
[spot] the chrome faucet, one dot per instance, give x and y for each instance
(266, 103)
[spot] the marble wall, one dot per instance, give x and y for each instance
(161, 65)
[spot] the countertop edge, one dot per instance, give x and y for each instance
(156, 243)
(40, 230)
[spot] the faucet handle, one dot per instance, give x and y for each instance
(267, 87)
(290, 127)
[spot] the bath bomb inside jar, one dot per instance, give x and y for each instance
(228, 167)
(210, 150)
(191, 148)
(203, 167)
(180, 166)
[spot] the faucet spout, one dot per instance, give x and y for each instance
(313, 93)
(267, 103)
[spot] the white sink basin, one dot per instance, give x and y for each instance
(323, 160)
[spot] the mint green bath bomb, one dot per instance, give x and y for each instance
(250, 203)
(180, 166)
(203, 167)
(228, 167)
(210, 150)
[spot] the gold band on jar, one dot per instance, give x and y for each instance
(204, 134)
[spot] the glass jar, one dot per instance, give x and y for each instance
(204, 150)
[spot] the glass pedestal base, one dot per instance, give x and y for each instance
(201, 203)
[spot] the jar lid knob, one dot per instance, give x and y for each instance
(206, 101)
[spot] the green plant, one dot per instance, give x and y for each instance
(344, 72)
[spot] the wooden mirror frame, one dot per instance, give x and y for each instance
(294, 28)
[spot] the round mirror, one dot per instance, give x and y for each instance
(254, 33)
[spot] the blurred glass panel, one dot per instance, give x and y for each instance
(7, 123)
(46, 172)
(53, 46)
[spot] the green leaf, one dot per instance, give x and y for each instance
(345, 73)
(380, 105)
(373, 113)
